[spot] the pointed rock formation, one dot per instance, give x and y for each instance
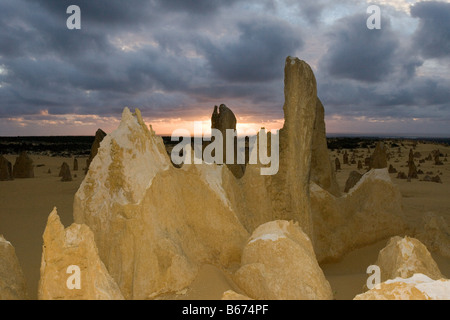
(99, 136)
(345, 157)
(73, 251)
(352, 180)
(12, 280)
(278, 263)
(64, 172)
(337, 164)
(378, 160)
(404, 257)
(392, 169)
(322, 171)
(6, 172)
(417, 287)
(23, 168)
(360, 165)
(155, 225)
(412, 169)
(224, 119)
(296, 138)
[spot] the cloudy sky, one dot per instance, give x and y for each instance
(176, 59)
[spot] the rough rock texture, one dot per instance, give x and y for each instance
(64, 172)
(99, 136)
(337, 164)
(371, 211)
(12, 280)
(154, 224)
(296, 138)
(360, 165)
(392, 169)
(224, 119)
(345, 157)
(435, 234)
(412, 169)
(74, 246)
(378, 160)
(352, 180)
(417, 287)
(6, 172)
(278, 262)
(404, 257)
(23, 167)
(322, 171)
(231, 295)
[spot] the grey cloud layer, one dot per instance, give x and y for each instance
(188, 55)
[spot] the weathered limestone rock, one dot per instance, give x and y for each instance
(417, 287)
(12, 280)
(231, 295)
(74, 246)
(371, 211)
(99, 136)
(360, 165)
(345, 157)
(6, 172)
(64, 173)
(352, 180)
(278, 262)
(224, 119)
(337, 164)
(401, 175)
(155, 225)
(404, 257)
(296, 137)
(392, 169)
(434, 233)
(322, 171)
(23, 168)
(378, 160)
(412, 169)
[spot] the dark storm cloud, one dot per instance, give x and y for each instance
(356, 52)
(175, 58)
(257, 55)
(432, 38)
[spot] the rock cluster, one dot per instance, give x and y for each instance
(155, 225)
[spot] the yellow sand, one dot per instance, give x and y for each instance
(26, 203)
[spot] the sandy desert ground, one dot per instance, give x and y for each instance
(26, 203)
